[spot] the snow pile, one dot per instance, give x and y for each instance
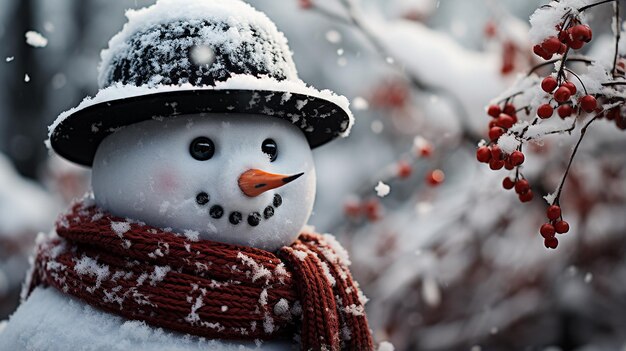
(545, 19)
(49, 319)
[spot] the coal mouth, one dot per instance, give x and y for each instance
(253, 219)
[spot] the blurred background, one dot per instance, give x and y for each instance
(448, 259)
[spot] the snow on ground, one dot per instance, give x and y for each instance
(50, 321)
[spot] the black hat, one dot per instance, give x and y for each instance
(197, 56)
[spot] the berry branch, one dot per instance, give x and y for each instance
(557, 93)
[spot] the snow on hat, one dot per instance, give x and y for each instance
(196, 56)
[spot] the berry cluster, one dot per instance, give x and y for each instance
(574, 36)
(503, 118)
(556, 225)
(561, 95)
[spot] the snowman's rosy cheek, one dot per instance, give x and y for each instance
(167, 181)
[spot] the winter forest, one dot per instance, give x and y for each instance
(481, 193)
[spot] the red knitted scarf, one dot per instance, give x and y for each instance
(206, 288)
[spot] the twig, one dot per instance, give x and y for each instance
(573, 59)
(617, 37)
(571, 159)
(593, 5)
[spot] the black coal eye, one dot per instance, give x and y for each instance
(202, 148)
(270, 148)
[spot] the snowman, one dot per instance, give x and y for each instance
(194, 236)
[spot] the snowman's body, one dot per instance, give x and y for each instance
(146, 172)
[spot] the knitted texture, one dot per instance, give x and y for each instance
(206, 288)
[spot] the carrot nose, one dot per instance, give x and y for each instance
(255, 182)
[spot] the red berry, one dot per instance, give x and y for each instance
(510, 110)
(496, 152)
(372, 210)
(562, 49)
(404, 169)
(545, 111)
(561, 227)
(581, 32)
(539, 51)
(553, 212)
(522, 186)
(483, 154)
(490, 29)
(565, 111)
(508, 183)
(551, 45)
(526, 197)
(495, 133)
(517, 158)
(505, 121)
(547, 230)
(507, 164)
(588, 103)
(494, 111)
(352, 208)
(495, 164)
(562, 94)
(571, 86)
(435, 177)
(306, 4)
(576, 44)
(551, 243)
(549, 84)
(493, 123)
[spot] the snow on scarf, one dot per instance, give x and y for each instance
(206, 288)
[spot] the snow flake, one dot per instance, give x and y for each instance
(281, 307)
(360, 103)
(35, 39)
(9, 58)
(301, 255)
(355, 310)
(158, 274)
(333, 36)
(26, 78)
(382, 189)
(258, 270)
(120, 228)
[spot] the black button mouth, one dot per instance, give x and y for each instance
(236, 217)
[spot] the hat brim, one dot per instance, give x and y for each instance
(77, 137)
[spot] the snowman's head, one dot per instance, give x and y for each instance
(239, 179)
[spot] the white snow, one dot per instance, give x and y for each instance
(333, 36)
(26, 78)
(120, 228)
(49, 320)
(545, 19)
(258, 270)
(382, 189)
(386, 346)
(9, 58)
(35, 39)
